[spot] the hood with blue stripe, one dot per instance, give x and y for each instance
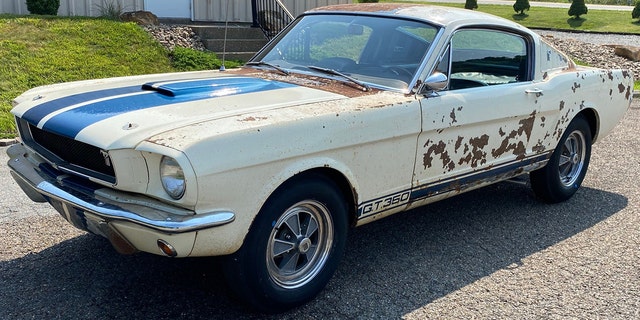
(120, 112)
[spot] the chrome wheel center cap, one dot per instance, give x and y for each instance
(575, 158)
(304, 246)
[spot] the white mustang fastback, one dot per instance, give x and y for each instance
(352, 113)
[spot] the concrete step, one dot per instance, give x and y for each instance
(243, 41)
(234, 45)
(233, 32)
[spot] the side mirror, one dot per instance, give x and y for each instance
(435, 82)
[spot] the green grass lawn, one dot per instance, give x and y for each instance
(557, 18)
(37, 50)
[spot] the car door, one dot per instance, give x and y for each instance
(479, 129)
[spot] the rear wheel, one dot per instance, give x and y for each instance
(567, 167)
(293, 247)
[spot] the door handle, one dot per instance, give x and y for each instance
(536, 91)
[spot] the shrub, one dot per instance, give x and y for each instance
(635, 14)
(111, 10)
(471, 4)
(577, 8)
(521, 5)
(46, 7)
(184, 59)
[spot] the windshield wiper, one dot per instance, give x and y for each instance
(273, 66)
(364, 86)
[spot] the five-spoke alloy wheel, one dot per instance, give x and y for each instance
(293, 247)
(563, 174)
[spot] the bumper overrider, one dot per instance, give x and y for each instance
(131, 222)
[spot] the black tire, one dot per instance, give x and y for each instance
(563, 174)
(293, 247)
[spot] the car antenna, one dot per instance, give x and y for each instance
(224, 43)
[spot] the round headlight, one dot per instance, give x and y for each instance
(172, 177)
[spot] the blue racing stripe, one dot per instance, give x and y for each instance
(69, 123)
(37, 113)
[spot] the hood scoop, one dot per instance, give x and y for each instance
(213, 87)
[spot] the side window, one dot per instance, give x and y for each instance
(487, 57)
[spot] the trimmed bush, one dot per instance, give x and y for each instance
(635, 14)
(44, 7)
(471, 4)
(521, 5)
(578, 8)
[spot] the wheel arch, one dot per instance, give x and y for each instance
(592, 117)
(343, 183)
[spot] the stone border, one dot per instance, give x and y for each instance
(7, 142)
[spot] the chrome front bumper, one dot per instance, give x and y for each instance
(94, 208)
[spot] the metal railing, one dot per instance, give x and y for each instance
(271, 16)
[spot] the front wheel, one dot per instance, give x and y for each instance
(293, 247)
(563, 174)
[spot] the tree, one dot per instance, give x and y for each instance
(521, 5)
(471, 4)
(635, 14)
(577, 8)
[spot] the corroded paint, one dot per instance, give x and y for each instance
(575, 86)
(477, 156)
(518, 147)
(333, 86)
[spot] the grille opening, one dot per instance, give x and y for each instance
(70, 154)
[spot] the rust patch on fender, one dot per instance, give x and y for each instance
(575, 86)
(621, 88)
(519, 149)
(477, 154)
(539, 147)
(250, 118)
(434, 150)
(452, 115)
(458, 144)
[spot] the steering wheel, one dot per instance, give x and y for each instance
(400, 71)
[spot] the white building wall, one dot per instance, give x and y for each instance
(91, 8)
(204, 10)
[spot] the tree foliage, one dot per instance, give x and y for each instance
(577, 8)
(521, 5)
(46, 7)
(471, 4)
(635, 14)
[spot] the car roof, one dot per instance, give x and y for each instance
(443, 16)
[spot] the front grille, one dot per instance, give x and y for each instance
(67, 153)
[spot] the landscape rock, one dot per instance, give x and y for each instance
(143, 18)
(595, 55)
(629, 52)
(171, 36)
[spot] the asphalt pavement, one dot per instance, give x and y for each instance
(492, 253)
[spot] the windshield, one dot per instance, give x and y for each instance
(381, 51)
